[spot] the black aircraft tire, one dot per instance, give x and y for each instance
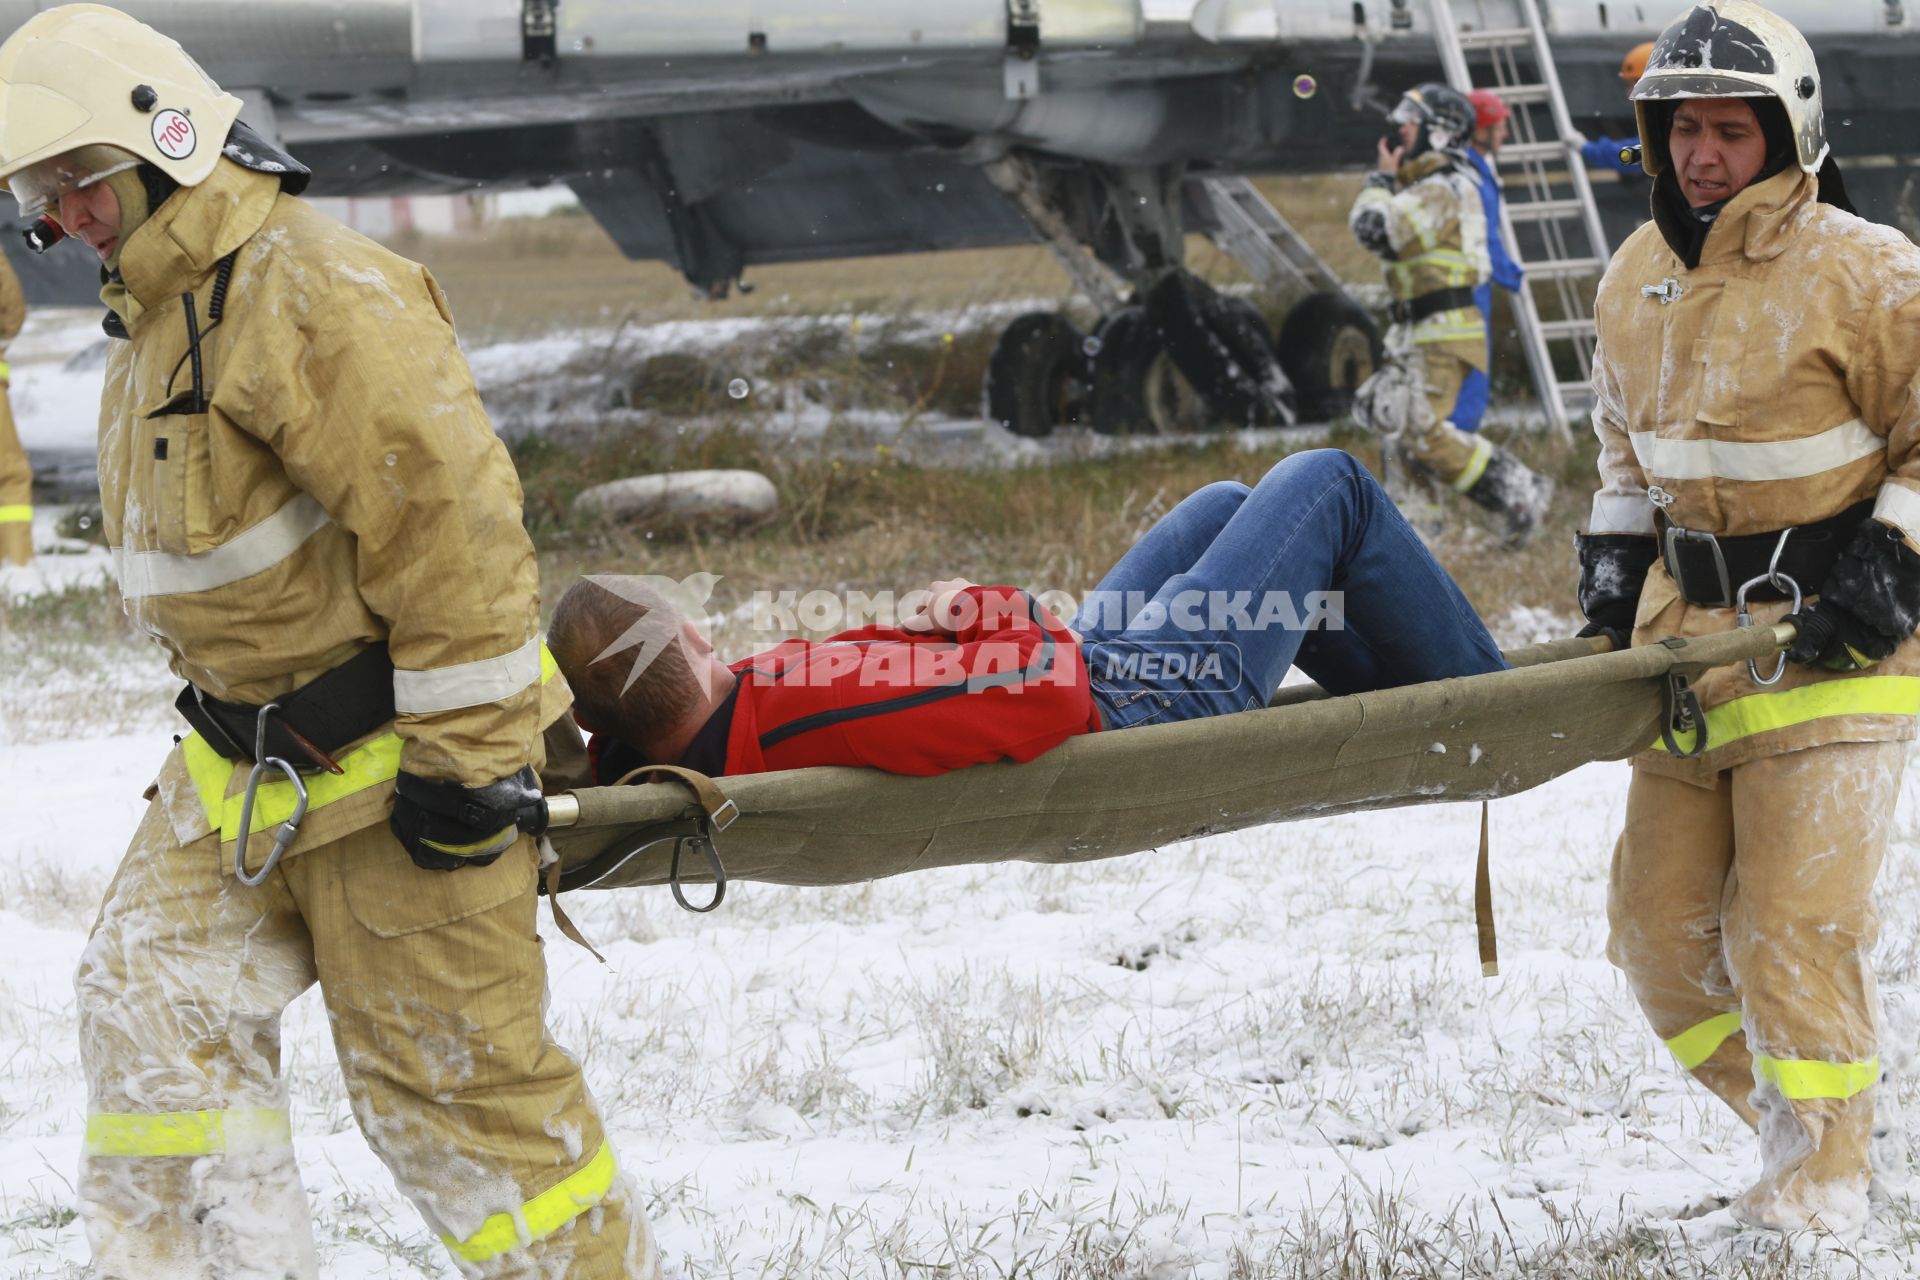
(1329, 345)
(1037, 375)
(1222, 347)
(1125, 347)
(1246, 330)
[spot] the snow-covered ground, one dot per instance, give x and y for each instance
(1252, 1055)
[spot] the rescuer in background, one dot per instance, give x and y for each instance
(1421, 213)
(1603, 152)
(1491, 121)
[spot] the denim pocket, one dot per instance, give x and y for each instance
(1128, 707)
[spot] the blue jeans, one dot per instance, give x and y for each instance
(1312, 567)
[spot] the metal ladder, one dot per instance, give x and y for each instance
(1255, 234)
(1546, 190)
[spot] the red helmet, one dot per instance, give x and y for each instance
(1489, 108)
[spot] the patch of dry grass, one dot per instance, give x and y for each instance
(853, 523)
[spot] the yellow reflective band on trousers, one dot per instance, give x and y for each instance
(187, 1133)
(1476, 466)
(1804, 1079)
(541, 1216)
(366, 766)
(16, 513)
(1703, 1039)
(1759, 712)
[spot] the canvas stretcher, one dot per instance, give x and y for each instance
(1106, 795)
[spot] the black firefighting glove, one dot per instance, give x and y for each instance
(1868, 605)
(1613, 568)
(446, 826)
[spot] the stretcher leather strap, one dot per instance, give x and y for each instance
(561, 920)
(716, 813)
(329, 712)
(1483, 905)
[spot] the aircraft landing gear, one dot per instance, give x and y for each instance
(1175, 355)
(1039, 375)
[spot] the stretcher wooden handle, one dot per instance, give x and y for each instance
(1784, 634)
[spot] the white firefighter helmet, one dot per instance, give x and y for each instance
(86, 91)
(1734, 49)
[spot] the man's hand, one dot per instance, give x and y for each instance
(1868, 606)
(1829, 635)
(1388, 160)
(446, 826)
(935, 613)
(1613, 568)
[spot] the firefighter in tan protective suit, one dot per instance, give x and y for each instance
(16, 477)
(1421, 212)
(309, 512)
(1758, 405)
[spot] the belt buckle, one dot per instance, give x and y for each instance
(1675, 537)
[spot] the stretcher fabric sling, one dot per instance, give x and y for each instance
(1109, 794)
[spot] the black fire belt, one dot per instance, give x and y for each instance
(1710, 568)
(1414, 310)
(313, 722)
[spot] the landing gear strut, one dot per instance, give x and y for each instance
(1169, 353)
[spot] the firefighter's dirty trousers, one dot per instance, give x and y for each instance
(434, 985)
(1417, 391)
(1742, 914)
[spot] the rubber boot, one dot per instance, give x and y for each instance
(1511, 489)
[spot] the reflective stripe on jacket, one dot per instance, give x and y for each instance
(1436, 227)
(340, 486)
(1772, 385)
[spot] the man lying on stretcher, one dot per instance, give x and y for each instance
(1202, 617)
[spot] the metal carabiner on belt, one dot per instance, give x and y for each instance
(290, 829)
(1779, 582)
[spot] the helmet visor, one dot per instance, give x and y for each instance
(38, 187)
(1408, 109)
(1700, 84)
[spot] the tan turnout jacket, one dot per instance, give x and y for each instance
(342, 488)
(1775, 386)
(1437, 232)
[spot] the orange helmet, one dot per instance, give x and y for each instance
(1634, 65)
